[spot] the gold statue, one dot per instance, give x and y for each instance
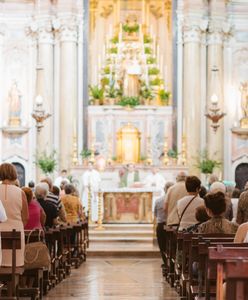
(244, 104)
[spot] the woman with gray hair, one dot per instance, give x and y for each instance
(41, 191)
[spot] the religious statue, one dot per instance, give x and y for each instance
(244, 104)
(15, 103)
(131, 74)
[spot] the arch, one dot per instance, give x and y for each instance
(241, 175)
(21, 173)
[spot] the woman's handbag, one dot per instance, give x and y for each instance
(36, 254)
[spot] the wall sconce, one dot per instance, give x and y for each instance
(39, 113)
(214, 114)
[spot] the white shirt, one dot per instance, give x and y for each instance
(189, 215)
(59, 179)
(92, 178)
(155, 180)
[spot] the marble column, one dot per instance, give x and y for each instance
(2, 34)
(68, 90)
(215, 140)
(45, 84)
(191, 91)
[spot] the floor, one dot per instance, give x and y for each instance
(115, 279)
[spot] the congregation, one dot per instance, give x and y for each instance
(192, 221)
(53, 234)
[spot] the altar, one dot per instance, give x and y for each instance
(129, 205)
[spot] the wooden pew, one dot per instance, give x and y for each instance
(236, 277)
(11, 240)
(217, 256)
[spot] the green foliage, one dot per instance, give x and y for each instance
(146, 93)
(47, 163)
(113, 50)
(164, 96)
(205, 164)
(143, 157)
(129, 101)
(151, 60)
(85, 153)
(130, 28)
(147, 39)
(105, 81)
(111, 91)
(115, 40)
(172, 153)
(96, 92)
(106, 70)
(148, 50)
(114, 158)
(153, 71)
(156, 81)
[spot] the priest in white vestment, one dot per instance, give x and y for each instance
(91, 180)
(157, 181)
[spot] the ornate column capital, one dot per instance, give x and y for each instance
(67, 29)
(218, 32)
(192, 31)
(46, 34)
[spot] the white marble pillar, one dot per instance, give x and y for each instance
(68, 90)
(215, 140)
(2, 34)
(191, 91)
(45, 84)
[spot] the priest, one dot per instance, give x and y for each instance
(155, 180)
(91, 182)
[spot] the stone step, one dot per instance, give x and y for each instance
(120, 233)
(121, 239)
(134, 227)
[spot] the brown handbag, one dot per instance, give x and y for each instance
(36, 254)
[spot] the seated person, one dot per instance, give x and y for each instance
(201, 216)
(215, 204)
(72, 204)
(41, 191)
(37, 216)
(186, 206)
(241, 235)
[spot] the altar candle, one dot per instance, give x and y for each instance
(158, 53)
(99, 63)
(161, 63)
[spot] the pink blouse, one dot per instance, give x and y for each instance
(34, 216)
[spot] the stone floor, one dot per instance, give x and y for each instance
(115, 279)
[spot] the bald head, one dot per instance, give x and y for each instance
(181, 176)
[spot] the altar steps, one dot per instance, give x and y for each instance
(123, 240)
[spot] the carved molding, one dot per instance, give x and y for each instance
(192, 32)
(106, 11)
(157, 11)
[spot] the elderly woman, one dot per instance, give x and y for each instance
(72, 204)
(41, 191)
(16, 207)
(37, 216)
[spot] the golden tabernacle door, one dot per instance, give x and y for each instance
(128, 144)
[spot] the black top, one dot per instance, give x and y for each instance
(50, 211)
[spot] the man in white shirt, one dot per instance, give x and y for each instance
(91, 180)
(155, 180)
(62, 177)
(187, 205)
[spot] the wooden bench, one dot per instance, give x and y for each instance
(11, 240)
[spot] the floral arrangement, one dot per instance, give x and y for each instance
(153, 71)
(148, 50)
(47, 162)
(151, 60)
(113, 50)
(115, 40)
(147, 39)
(85, 153)
(105, 81)
(156, 81)
(205, 164)
(96, 92)
(130, 28)
(164, 96)
(106, 70)
(172, 153)
(146, 93)
(129, 101)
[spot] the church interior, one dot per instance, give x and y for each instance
(130, 117)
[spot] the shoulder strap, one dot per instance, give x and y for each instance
(185, 211)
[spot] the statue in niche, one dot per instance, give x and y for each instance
(244, 104)
(15, 104)
(131, 75)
